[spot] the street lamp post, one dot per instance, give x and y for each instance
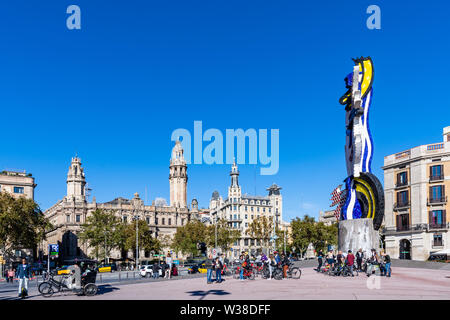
(136, 217)
(215, 231)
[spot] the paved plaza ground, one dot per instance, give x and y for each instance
(405, 284)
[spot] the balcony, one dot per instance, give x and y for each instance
(401, 184)
(437, 178)
(403, 228)
(402, 205)
(438, 226)
(437, 201)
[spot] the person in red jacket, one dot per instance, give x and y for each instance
(350, 261)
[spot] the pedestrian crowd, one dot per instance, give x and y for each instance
(345, 264)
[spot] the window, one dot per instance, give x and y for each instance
(170, 221)
(252, 242)
(402, 179)
(436, 172)
(124, 218)
(437, 193)
(67, 218)
(264, 209)
(235, 217)
(252, 217)
(270, 210)
(246, 217)
(402, 222)
(235, 225)
(18, 189)
(437, 240)
(257, 209)
(245, 242)
(182, 221)
(246, 209)
(402, 199)
(251, 209)
(163, 222)
(437, 218)
(77, 218)
(231, 217)
(156, 220)
(234, 208)
(147, 219)
(246, 225)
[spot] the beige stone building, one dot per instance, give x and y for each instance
(416, 210)
(69, 213)
(327, 217)
(17, 184)
(240, 210)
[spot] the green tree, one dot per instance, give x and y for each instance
(307, 230)
(187, 237)
(145, 238)
(260, 229)
(303, 233)
(101, 231)
(22, 224)
(225, 235)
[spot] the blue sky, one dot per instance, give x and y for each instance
(114, 91)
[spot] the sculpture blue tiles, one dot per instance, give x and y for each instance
(363, 196)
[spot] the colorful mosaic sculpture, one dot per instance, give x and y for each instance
(364, 196)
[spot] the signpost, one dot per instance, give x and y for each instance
(53, 250)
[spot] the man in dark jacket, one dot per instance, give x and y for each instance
(23, 273)
(359, 259)
(320, 260)
(155, 270)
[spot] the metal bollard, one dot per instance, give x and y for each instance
(119, 276)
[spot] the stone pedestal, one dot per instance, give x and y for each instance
(357, 233)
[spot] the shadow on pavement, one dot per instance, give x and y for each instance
(203, 294)
(106, 288)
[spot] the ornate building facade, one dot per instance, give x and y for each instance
(417, 208)
(241, 209)
(69, 213)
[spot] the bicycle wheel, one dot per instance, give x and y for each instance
(278, 274)
(296, 273)
(43, 285)
(252, 276)
(46, 289)
(90, 289)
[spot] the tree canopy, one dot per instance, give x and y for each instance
(22, 223)
(307, 230)
(187, 237)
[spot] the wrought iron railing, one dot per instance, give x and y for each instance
(437, 177)
(403, 204)
(442, 199)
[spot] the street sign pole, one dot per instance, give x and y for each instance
(48, 262)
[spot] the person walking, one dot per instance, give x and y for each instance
(23, 273)
(209, 269)
(359, 259)
(350, 261)
(272, 263)
(155, 270)
(169, 262)
(219, 267)
(320, 260)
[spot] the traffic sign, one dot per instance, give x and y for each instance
(54, 249)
